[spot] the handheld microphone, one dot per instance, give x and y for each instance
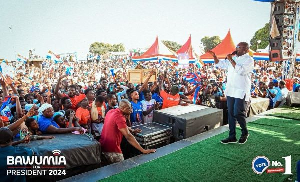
(233, 53)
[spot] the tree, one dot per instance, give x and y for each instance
(101, 48)
(260, 40)
(118, 48)
(210, 42)
(173, 46)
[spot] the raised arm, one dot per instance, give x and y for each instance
(9, 82)
(49, 96)
(160, 83)
(18, 123)
(40, 98)
(18, 106)
(191, 91)
(214, 55)
(152, 72)
(57, 86)
(3, 85)
(154, 86)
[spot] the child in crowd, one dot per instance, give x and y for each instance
(33, 130)
(149, 105)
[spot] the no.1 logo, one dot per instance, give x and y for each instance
(261, 164)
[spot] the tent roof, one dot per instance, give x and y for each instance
(187, 49)
(221, 50)
(158, 49)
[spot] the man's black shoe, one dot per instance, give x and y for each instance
(243, 139)
(229, 140)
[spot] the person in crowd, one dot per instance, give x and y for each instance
(271, 94)
(280, 98)
(7, 149)
(33, 127)
(71, 120)
(72, 94)
(59, 118)
(33, 130)
(48, 125)
(90, 95)
(112, 102)
(66, 103)
(240, 66)
(149, 105)
(296, 84)
(98, 114)
(136, 117)
(169, 99)
(55, 102)
(114, 129)
(262, 90)
(121, 93)
(83, 114)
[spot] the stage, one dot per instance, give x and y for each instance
(81, 153)
(258, 105)
(204, 158)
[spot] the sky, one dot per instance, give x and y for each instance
(66, 26)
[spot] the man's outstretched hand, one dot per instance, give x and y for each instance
(148, 151)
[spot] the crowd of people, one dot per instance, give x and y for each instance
(97, 97)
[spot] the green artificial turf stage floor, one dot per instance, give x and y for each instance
(209, 160)
(288, 112)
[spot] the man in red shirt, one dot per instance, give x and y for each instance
(73, 94)
(172, 99)
(83, 114)
(113, 130)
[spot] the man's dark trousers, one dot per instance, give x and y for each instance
(236, 112)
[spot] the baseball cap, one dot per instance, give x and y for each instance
(6, 135)
(275, 81)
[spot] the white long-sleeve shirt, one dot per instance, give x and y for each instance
(238, 78)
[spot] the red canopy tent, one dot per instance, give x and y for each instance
(225, 47)
(158, 51)
(188, 50)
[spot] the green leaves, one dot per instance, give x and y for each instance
(102, 48)
(210, 42)
(173, 46)
(260, 39)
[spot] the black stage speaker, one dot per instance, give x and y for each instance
(187, 121)
(284, 15)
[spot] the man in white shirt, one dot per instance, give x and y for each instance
(280, 98)
(240, 67)
(149, 105)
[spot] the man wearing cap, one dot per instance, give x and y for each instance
(240, 67)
